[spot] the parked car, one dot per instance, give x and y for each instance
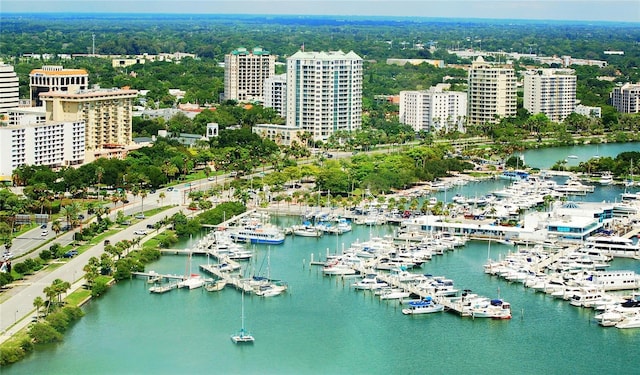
(70, 254)
(140, 216)
(140, 232)
(126, 222)
(7, 255)
(211, 178)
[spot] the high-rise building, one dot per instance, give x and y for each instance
(245, 72)
(9, 90)
(275, 93)
(324, 92)
(551, 92)
(54, 78)
(433, 110)
(626, 98)
(106, 114)
(492, 92)
(52, 144)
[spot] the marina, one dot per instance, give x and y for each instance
(334, 328)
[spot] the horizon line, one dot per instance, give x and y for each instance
(302, 15)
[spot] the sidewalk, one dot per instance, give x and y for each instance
(17, 311)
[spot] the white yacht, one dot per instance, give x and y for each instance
(260, 234)
(615, 280)
(370, 282)
(426, 306)
(394, 293)
(606, 178)
(614, 245)
(495, 309)
(632, 321)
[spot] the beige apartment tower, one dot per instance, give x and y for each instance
(245, 72)
(106, 113)
(492, 92)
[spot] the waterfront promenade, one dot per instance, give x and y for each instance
(17, 310)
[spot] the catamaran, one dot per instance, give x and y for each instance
(242, 336)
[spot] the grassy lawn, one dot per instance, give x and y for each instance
(78, 296)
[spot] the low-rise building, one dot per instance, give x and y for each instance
(626, 98)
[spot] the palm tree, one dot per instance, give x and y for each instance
(91, 270)
(38, 303)
(60, 287)
(135, 191)
(115, 198)
(50, 293)
(99, 174)
(56, 226)
(143, 195)
(162, 195)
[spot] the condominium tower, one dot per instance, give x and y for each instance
(324, 92)
(106, 114)
(433, 110)
(492, 92)
(54, 78)
(9, 90)
(245, 72)
(626, 98)
(275, 93)
(551, 92)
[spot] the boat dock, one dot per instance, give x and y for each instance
(452, 303)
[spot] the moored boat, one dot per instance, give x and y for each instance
(425, 306)
(259, 234)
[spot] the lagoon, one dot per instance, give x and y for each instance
(545, 157)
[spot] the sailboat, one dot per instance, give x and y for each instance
(191, 280)
(242, 336)
(265, 287)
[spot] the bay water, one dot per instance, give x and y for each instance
(324, 326)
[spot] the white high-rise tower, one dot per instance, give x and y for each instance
(9, 89)
(324, 92)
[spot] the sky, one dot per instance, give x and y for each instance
(572, 10)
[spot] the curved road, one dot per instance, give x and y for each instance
(17, 310)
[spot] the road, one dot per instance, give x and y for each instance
(17, 310)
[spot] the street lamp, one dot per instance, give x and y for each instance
(16, 317)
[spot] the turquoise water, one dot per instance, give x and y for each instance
(545, 158)
(322, 326)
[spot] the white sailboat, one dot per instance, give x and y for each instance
(242, 336)
(191, 280)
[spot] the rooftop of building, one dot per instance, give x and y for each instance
(325, 55)
(56, 70)
(91, 93)
(258, 51)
